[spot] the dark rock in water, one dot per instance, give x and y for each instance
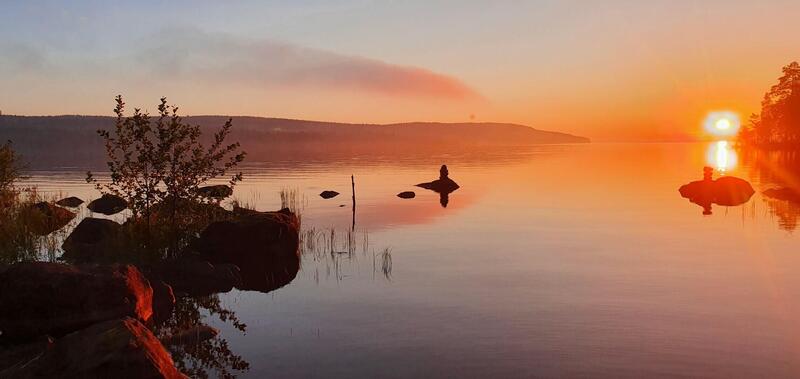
(440, 185)
(93, 240)
(191, 336)
(122, 348)
(328, 194)
(196, 277)
(51, 298)
(726, 191)
(783, 194)
(71, 202)
(47, 218)
(264, 245)
(108, 204)
(443, 186)
(406, 195)
(219, 191)
(163, 299)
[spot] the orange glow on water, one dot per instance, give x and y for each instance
(721, 156)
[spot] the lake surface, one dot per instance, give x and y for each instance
(549, 261)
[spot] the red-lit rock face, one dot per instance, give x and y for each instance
(121, 348)
(50, 298)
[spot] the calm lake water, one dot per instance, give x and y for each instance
(549, 261)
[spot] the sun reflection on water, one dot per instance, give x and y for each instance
(721, 156)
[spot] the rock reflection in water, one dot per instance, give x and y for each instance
(200, 358)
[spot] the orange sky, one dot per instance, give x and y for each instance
(612, 71)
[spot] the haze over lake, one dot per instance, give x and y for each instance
(568, 260)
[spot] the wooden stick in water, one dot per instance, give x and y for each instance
(353, 182)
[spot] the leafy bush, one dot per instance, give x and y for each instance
(158, 167)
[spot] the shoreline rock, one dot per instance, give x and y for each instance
(39, 298)
(264, 245)
(93, 240)
(120, 348)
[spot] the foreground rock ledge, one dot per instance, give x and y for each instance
(38, 298)
(112, 349)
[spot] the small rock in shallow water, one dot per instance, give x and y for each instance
(407, 195)
(71, 202)
(108, 204)
(328, 194)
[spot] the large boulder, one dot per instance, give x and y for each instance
(219, 191)
(121, 348)
(108, 204)
(264, 245)
(71, 202)
(93, 240)
(46, 218)
(39, 298)
(725, 191)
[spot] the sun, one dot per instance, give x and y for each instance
(723, 124)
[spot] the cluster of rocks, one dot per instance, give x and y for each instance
(86, 319)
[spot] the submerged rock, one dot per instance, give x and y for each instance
(93, 240)
(328, 194)
(38, 298)
(726, 191)
(122, 348)
(47, 218)
(219, 191)
(71, 202)
(108, 204)
(264, 245)
(407, 195)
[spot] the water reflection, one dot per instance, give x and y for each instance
(779, 175)
(202, 357)
(721, 156)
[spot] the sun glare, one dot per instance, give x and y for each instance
(722, 123)
(721, 156)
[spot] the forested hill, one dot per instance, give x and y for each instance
(73, 139)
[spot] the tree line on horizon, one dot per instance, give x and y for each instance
(778, 123)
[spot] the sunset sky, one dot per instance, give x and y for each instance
(609, 70)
